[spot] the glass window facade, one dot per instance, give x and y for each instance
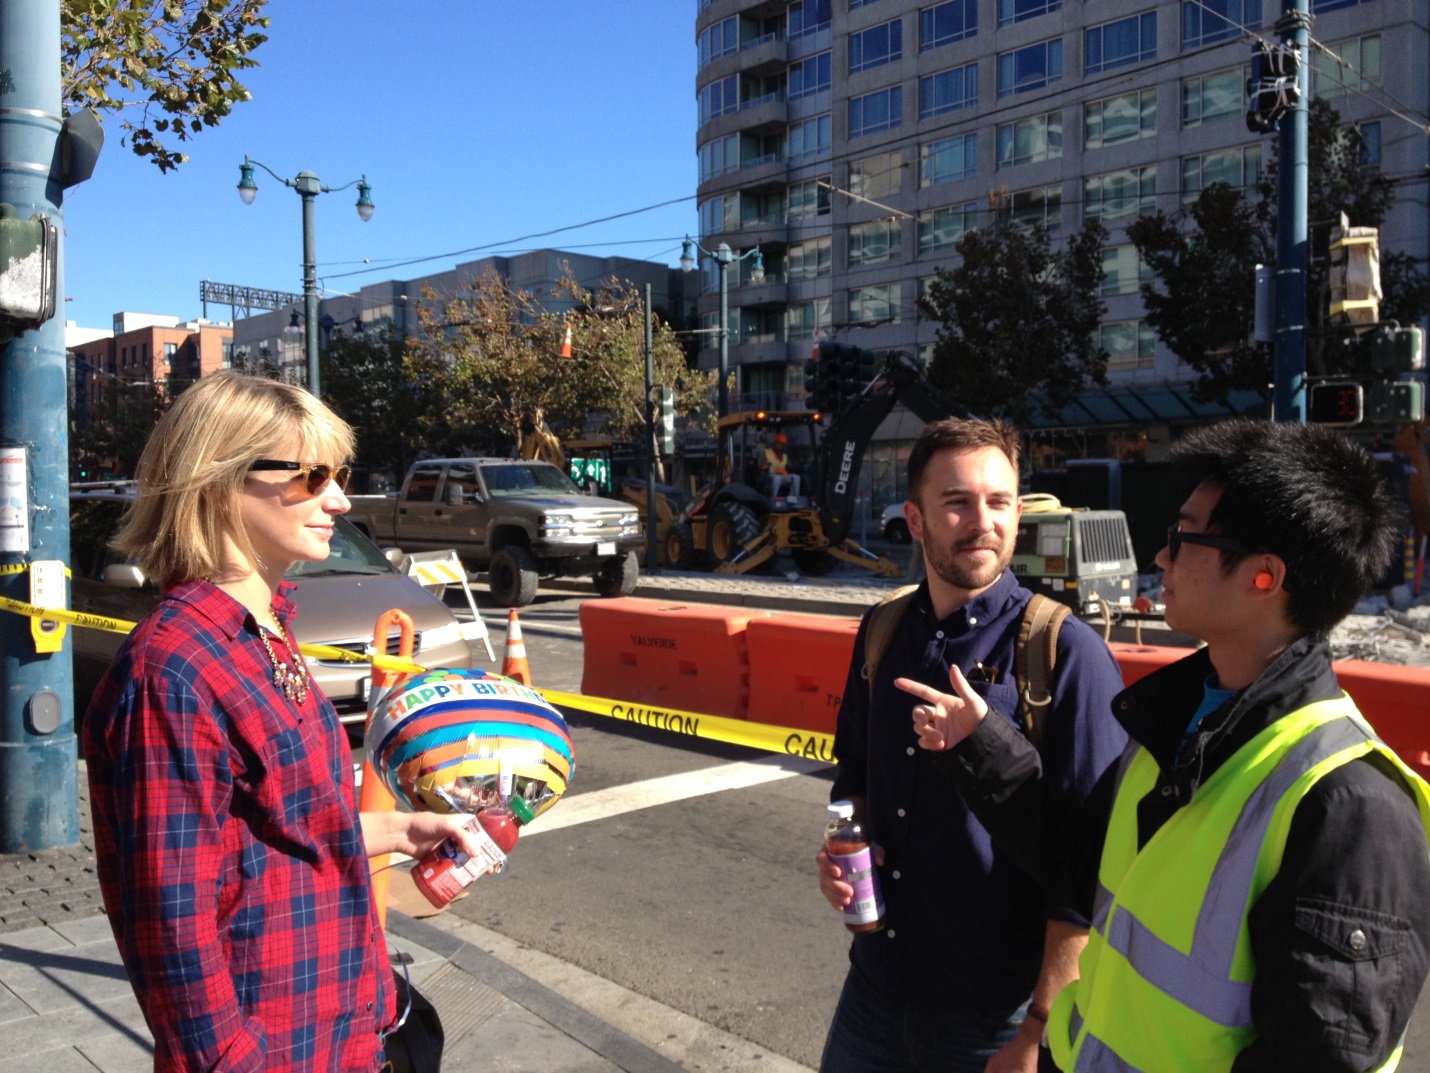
(948, 91)
(811, 76)
(881, 110)
(809, 16)
(1120, 43)
(719, 156)
(1124, 118)
(804, 319)
(879, 302)
(1123, 270)
(948, 159)
(1037, 205)
(941, 228)
(718, 40)
(1238, 167)
(1360, 69)
(1031, 67)
(808, 260)
(720, 97)
(807, 199)
(1116, 194)
(1011, 11)
(874, 242)
(1210, 97)
(943, 24)
(1205, 22)
(810, 138)
(1130, 344)
(876, 46)
(1027, 141)
(877, 176)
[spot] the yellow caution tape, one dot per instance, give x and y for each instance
(116, 625)
(774, 739)
(20, 568)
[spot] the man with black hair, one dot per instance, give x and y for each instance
(1261, 895)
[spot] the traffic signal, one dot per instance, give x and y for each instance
(1339, 402)
(828, 377)
(1273, 89)
(812, 393)
(1355, 273)
(1397, 350)
(665, 420)
(1396, 402)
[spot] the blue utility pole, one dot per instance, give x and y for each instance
(39, 805)
(1289, 393)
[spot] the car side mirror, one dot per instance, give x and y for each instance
(123, 576)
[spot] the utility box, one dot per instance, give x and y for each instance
(29, 265)
(1077, 557)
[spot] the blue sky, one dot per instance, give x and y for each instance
(476, 122)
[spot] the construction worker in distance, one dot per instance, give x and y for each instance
(776, 464)
(1257, 865)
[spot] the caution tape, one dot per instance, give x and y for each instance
(395, 664)
(20, 568)
(774, 739)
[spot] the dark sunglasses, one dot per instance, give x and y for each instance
(316, 474)
(1176, 538)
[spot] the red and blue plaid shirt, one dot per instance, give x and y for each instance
(229, 849)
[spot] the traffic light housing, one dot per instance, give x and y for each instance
(1396, 402)
(1398, 350)
(823, 376)
(1274, 88)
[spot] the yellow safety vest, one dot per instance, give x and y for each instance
(774, 461)
(1165, 980)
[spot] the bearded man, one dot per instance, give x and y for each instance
(974, 946)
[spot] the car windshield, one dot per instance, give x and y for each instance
(532, 479)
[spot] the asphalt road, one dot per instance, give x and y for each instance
(706, 903)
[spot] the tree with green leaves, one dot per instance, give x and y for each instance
(1019, 319)
(492, 354)
(106, 440)
(168, 68)
(1202, 303)
(365, 380)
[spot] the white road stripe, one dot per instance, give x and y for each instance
(603, 804)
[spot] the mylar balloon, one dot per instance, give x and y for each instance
(439, 740)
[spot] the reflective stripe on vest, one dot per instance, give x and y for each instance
(1202, 981)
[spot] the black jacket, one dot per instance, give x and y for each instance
(1341, 935)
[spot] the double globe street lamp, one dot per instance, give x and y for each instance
(724, 257)
(308, 187)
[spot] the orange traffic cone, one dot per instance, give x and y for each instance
(514, 664)
(566, 342)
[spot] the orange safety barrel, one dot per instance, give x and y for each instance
(692, 657)
(798, 667)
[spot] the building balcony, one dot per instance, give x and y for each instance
(763, 173)
(767, 232)
(764, 55)
(764, 115)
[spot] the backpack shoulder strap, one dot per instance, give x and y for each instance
(1034, 660)
(884, 622)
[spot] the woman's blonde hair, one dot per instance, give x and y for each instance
(197, 458)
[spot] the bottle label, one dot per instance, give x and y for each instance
(857, 869)
(447, 870)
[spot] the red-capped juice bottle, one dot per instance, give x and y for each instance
(849, 849)
(447, 871)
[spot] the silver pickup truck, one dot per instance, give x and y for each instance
(517, 520)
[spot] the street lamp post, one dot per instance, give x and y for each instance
(724, 257)
(308, 187)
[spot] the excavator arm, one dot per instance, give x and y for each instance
(842, 447)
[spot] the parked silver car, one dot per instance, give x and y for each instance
(339, 602)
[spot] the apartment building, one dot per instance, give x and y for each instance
(855, 141)
(142, 352)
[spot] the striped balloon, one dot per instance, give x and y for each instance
(439, 739)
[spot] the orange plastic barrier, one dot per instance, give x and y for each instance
(798, 667)
(1396, 701)
(1138, 661)
(688, 656)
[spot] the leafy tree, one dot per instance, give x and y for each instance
(1019, 319)
(365, 380)
(491, 354)
(1205, 260)
(172, 62)
(108, 442)
(1202, 304)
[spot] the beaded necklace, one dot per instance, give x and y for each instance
(293, 681)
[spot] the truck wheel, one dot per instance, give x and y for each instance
(732, 526)
(617, 577)
(679, 547)
(512, 576)
(897, 531)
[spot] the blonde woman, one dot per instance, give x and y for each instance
(232, 856)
